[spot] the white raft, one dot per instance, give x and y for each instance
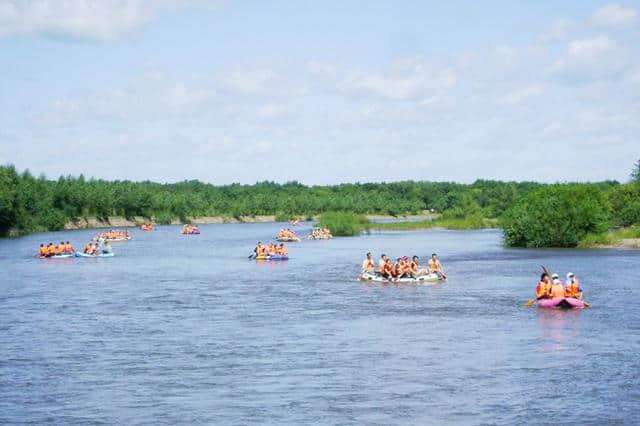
(422, 279)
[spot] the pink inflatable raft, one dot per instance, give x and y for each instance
(561, 302)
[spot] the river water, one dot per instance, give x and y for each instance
(186, 329)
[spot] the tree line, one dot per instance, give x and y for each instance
(33, 204)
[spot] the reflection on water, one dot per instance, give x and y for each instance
(188, 330)
(558, 327)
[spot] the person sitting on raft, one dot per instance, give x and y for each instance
(106, 248)
(414, 267)
(259, 250)
(282, 250)
(543, 289)
(51, 250)
(384, 267)
(42, 252)
(88, 248)
(68, 248)
(572, 287)
(557, 289)
(435, 267)
(367, 265)
(60, 248)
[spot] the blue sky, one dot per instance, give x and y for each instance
(321, 92)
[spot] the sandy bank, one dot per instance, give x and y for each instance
(630, 243)
(122, 222)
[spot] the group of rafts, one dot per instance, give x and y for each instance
(403, 270)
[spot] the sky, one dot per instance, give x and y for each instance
(321, 92)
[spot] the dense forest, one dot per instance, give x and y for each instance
(32, 204)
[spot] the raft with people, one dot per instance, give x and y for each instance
(270, 252)
(146, 227)
(320, 234)
(551, 292)
(113, 236)
(190, 230)
(402, 270)
(287, 236)
(59, 251)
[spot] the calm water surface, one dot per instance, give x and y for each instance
(185, 329)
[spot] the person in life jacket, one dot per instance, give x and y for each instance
(434, 266)
(557, 289)
(43, 251)
(68, 248)
(396, 268)
(282, 250)
(88, 248)
(258, 250)
(106, 248)
(403, 267)
(61, 247)
(367, 264)
(51, 250)
(572, 287)
(414, 267)
(543, 289)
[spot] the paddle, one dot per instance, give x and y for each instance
(251, 256)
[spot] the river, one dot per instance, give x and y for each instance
(186, 329)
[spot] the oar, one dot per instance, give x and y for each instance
(251, 256)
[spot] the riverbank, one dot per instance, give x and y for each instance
(123, 222)
(437, 223)
(628, 237)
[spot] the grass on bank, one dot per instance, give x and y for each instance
(612, 237)
(344, 224)
(472, 222)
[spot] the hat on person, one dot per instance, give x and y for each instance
(554, 276)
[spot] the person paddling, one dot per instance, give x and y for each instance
(367, 265)
(43, 251)
(543, 289)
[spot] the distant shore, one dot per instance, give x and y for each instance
(136, 221)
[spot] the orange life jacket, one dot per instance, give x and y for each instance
(51, 250)
(542, 289)
(557, 290)
(43, 251)
(69, 248)
(60, 249)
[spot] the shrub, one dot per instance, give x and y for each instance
(556, 216)
(344, 224)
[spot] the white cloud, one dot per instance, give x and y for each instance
(558, 31)
(590, 58)
(521, 95)
(101, 20)
(409, 78)
(614, 15)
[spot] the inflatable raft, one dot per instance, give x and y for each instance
(561, 303)
(422, 279)
(273, 257)
(288, 239)
(57, 256)
(95, 255)
(114, 240)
